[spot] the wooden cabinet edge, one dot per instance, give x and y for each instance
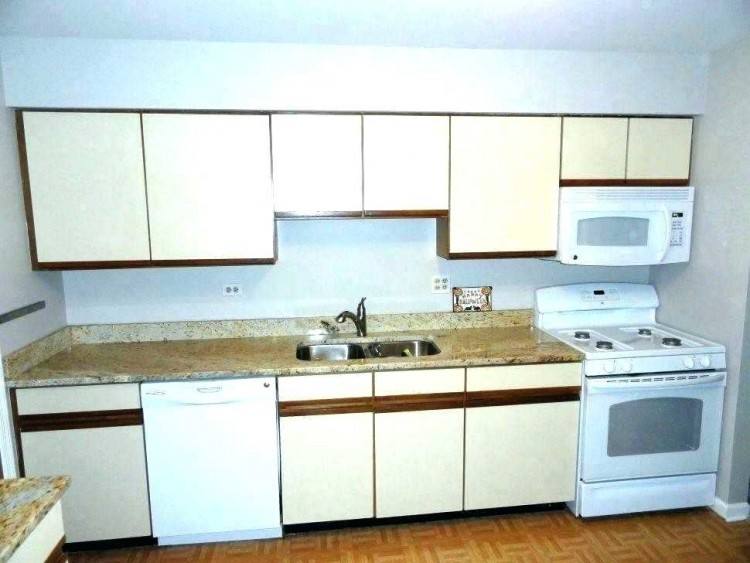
(508, 254)
(594, 182)
(522, 396)
(80, 420)
(26, 189)
(112, 265)
(317, 214)
(406, 213)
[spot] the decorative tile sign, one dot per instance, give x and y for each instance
(469, 299)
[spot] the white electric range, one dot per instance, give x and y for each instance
(651, 404)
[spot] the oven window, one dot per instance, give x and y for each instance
(613, 231)
(654, 426)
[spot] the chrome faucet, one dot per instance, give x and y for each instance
(359, 320)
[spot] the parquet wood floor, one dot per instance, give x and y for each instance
(684, 536)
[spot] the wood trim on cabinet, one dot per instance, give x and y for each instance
(26, 188)
(511, 254)
(78, 420)
(522, 396)
(658, 182)
(112, 265)
(591, 182)
(413, 213)
(624, 182)
(57, 555)
(318, 214)
(419, 402)
(17, 431)
(325, 406)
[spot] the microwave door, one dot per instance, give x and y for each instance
(616, 238)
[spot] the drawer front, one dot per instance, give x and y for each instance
(78, 398)
(320, 387)
(533, 376)
(417, 382)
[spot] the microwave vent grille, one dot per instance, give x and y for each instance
(644, 194)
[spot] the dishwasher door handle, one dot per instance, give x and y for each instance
(214, 389)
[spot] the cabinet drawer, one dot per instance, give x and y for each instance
(498, 378)
(78, 398)
(417, 382)
(320, 387)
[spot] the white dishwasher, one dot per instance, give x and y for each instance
(213, 460)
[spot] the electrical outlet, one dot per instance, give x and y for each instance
(231, 290)
(441, 284)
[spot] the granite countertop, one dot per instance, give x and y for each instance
(23, 504)
(133, 362)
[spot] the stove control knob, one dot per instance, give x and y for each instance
(705, 361)
(627, 366)
(609, 366)
(688, 362)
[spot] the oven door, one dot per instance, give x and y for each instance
(614, 237)
(651, 426)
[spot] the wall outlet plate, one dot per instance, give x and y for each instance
(441, 284)
(231, 290)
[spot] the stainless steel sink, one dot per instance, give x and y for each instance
(330, 352)
(338, 351)
(402, 348)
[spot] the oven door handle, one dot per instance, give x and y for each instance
(604, 385)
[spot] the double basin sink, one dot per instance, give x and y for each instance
(339, 351)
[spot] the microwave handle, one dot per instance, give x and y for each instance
(667, 235)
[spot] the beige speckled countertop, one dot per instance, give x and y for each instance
(23, 504)
(131, 362)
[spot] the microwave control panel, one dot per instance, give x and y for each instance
(677, 229)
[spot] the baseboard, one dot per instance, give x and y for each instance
(734, 512)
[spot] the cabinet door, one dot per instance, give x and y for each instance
(594, 148)
(505, 174)
(317, 164)
(108, 495)
(406, 164)
(521, 434)
(659, 149)
(326, 467)
(209, 187)
(87, 193)
(419, 462)
(326, 428)
(419, 434)
(521, 454)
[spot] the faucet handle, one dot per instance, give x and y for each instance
(361, 307)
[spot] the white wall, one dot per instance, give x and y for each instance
(20, 286)
(90, 73)
(708, 295)
(323, 268)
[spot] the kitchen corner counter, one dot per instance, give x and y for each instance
(133, 362)
(23, 505)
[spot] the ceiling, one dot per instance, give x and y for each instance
(622, 25)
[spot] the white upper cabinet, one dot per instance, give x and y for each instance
(85, 177)
(659, 149)
(505, 174)
(406, 164)
(317, 164)
(594, 148)
(209, 187)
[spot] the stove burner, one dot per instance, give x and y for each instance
(672, 342)
(604, 345)
(582, 335)
(644, 332)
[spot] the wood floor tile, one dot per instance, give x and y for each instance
(691, 536)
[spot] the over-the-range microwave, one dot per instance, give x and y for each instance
(625, 226)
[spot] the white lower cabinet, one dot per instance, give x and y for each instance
(326, 447)
(108, 495)
(94, 434)
(419, 428)
(418, 462)
(521, 454)
(327, 467)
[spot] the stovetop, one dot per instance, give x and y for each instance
(640, 340)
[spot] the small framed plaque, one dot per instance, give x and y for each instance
(471, 299)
